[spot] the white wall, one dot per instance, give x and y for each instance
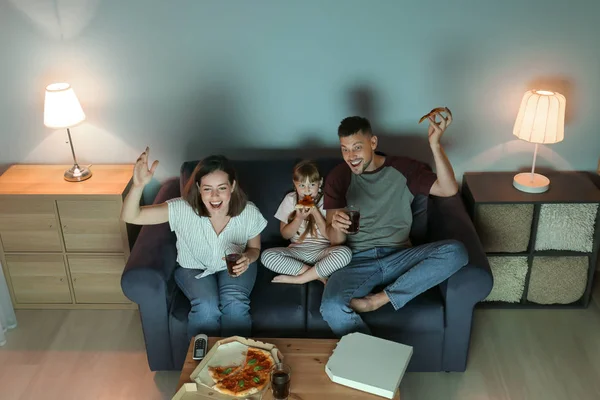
(192, 77)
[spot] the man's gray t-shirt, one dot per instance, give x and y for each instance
(384, 197)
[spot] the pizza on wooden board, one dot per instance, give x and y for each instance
(306, 202)
(250, 378)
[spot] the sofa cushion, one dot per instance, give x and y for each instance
(425, 313)
(278, 310)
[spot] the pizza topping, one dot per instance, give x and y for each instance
(241, 384)
(256, 379)
(252, 362)
(227, 371)
(258, 368)
(306, 202)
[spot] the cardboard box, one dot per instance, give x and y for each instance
(227, 352)
(189, 391)
(369, 364)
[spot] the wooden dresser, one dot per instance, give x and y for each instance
(62, 244)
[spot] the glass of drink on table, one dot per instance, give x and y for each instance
(281, 377)
(354, 215)
(231, 259)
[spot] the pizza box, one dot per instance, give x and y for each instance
(228, 351)
(189, 391)
(368, 363)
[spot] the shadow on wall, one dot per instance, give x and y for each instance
(216, 116)
(363, 102)
(561, 85)
(3, 167)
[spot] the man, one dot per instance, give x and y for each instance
(383, 187)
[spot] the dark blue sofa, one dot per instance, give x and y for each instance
(437, 323)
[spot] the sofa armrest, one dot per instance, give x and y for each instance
(448, 219)
(146, 281)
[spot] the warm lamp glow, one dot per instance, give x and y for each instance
(541, 118)
(61, 107)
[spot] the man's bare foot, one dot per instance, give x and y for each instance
(370, 302)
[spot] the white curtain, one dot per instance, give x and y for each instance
(8, 320)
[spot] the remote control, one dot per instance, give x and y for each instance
(200, 344)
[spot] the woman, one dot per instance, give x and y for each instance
(211, 218)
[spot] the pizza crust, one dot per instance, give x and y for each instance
(245, 392)
(435, 111)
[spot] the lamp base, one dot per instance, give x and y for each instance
(525, 183)
(77, 173)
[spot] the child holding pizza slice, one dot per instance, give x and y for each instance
(310, 255)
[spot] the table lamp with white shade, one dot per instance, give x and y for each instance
(541, 119)
(62, 110)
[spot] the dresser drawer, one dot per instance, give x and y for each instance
(29, 224)
(38, 278)
(97, 279)
(90, 225)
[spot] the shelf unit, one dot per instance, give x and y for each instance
(543, 248)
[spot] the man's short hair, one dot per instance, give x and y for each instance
(351, 125)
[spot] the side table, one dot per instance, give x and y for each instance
(542, 248)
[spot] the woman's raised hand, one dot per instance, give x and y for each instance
(142, 175)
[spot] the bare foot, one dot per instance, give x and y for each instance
(303, 270)
(296, 280)
(370, 302)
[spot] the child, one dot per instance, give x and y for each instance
(310, 255)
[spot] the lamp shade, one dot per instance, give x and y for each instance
(541, 118)
(61, 107)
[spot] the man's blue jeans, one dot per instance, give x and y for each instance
(220, 303)
(407, 272)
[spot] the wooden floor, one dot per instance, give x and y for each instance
(99, 354)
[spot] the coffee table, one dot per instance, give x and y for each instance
(307, 358)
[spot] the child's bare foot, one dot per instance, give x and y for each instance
(370, 302)
(296, 280)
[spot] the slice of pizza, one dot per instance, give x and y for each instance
(243, 383)
(259, 361)
(306, 202)
(219, 373)
(435, 111)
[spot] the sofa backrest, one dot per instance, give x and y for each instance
(266, 182)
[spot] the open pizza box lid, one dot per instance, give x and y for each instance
(229, 351)
(369, 364)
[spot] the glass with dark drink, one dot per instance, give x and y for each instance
(231, 259)
(354, 215)
(280, 381)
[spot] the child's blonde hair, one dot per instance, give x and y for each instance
(303, 171)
